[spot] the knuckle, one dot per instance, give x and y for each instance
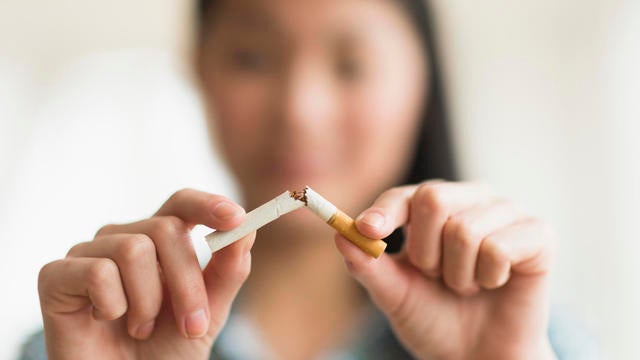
(100, 272)
(105, 229)
(111, 311)
(465, 234)
(45, 274)
(547, 238)
(136, 247)
(494, 252)
(430, 197)
(169, 225)
(469, 234)
(75, 250)
(213, 199)
(180, 194)
(395, 192)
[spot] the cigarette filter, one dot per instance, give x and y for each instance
(342, 222)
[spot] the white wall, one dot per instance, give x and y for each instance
(50, 34)
(544, 94)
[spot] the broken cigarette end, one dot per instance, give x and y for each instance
(340, 221)
(300, 195)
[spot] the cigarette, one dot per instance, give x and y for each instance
(288, 202)
(342, 222)
(255, 219)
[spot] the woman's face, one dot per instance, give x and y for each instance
(325, 93)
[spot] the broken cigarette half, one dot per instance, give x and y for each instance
(288, 202)
(342, 222)
(255, 219)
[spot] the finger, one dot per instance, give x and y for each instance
(385, 280)
(224, 275)
(196, 207)
(461, 239)
(431, 206)
(180, 270)
(70, 285)
(388, 212)
(135, 256)
(524, 248)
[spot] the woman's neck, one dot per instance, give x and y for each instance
(298, 281)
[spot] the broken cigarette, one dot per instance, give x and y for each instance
(257, 218)
(288, 202)
(342, 222)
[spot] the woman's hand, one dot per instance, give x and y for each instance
(137, 291)
(471, 280)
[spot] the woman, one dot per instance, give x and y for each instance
(343, 95)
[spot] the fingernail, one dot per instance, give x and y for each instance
(196, 324)
(225, 210)
(143, 331)
(372, 219)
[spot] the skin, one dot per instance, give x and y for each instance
(326, 93)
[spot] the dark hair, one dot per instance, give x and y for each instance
(433, 156)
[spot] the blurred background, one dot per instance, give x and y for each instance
(99, 123)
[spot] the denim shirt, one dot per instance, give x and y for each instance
(239, 340)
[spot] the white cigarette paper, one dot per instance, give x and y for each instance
(319, 205)
(255, 219)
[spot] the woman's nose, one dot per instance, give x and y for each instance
(308, 100)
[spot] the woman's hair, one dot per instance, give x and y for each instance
(433, 157)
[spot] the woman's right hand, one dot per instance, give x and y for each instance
(137, 292)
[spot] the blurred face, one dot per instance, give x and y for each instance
(325, 93)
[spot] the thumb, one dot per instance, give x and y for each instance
(224, 275)
(385, 279)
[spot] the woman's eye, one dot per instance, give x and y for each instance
(250, 60)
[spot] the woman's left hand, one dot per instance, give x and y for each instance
(471, 280)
